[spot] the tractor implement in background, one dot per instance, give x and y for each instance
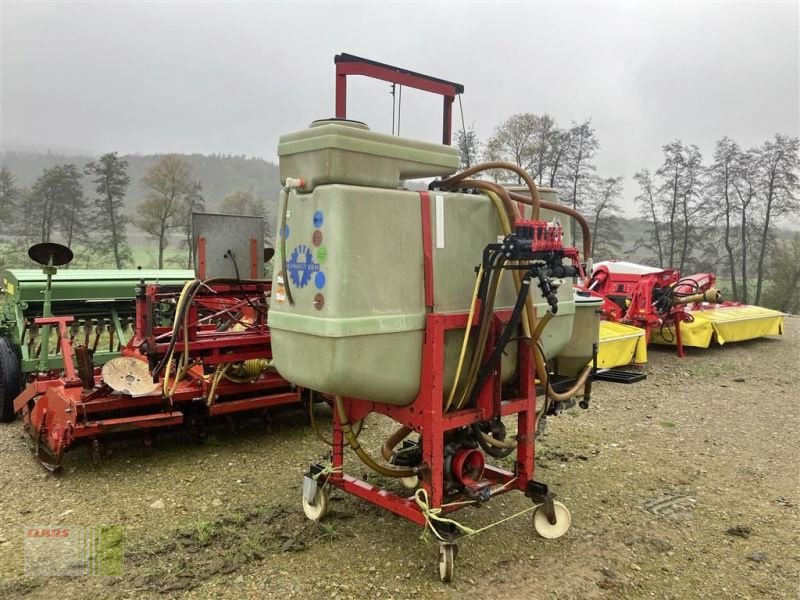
(101, 303)
(200, 349)
(677, 310)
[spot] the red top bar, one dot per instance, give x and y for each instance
(348, 64)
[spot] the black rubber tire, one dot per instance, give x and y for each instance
(10, 379)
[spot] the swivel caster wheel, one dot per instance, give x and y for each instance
(317, 509)
(549, 530)
(447, 559)
(410, 483)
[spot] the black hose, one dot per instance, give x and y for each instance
(504, 338)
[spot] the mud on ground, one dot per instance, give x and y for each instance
(684, 486)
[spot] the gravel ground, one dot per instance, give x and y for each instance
(683, 486)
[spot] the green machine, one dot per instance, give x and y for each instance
(101, 301)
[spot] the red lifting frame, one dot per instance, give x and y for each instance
(347, 64)
(426, 414)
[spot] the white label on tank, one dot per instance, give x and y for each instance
(439, 221)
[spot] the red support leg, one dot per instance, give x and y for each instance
(447, 121)
(341, 95)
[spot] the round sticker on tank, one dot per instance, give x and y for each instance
(319, 301)
(318, 219)
(316, 237)
(319, 280)
(322, 254)
(285, 232)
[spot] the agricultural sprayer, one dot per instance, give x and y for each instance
(198, 349)
(450, 311)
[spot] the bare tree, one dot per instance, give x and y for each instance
(514, 141)
(604, 211)
(164, 207)
(646, 199)
(778, 163)
(193, 202)
(678, 194)
(745, 184)
(469, 146)
(690, 197)
(722, 174)
(578, 165)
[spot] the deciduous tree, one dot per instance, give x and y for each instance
(778, 162)
(164, 208)
(110, 178)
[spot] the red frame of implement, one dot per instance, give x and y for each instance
(64, 412)
(426, 414)
(348, 64)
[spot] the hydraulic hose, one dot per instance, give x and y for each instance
(497, 353)
(219, 373)
(498, 165)
(483, 331)
(464, 346)
(391, 442)
(579, 383)
(360, 452)
(282, 233)
(357, 426)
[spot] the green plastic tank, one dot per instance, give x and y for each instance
(354, 268)
(585, 335)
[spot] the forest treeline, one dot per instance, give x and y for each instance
(97, 205)
(719, 213)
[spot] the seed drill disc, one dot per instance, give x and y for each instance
(129, 375)
(46, 251)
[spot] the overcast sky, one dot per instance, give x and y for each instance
(232, 77)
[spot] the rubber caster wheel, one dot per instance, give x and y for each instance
(317, 510)
(546, 529)
(447, 562)
(410, 483)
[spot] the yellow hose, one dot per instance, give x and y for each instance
(183, 361)
(465, 343)
(219, 373)
(366, 458)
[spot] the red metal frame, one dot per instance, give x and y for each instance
(347, 64)
(426, 414)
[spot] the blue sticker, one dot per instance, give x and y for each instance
(301, 265)
(285, 232)
(319, 280)
(318, 219)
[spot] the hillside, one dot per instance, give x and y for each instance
(219, 174)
